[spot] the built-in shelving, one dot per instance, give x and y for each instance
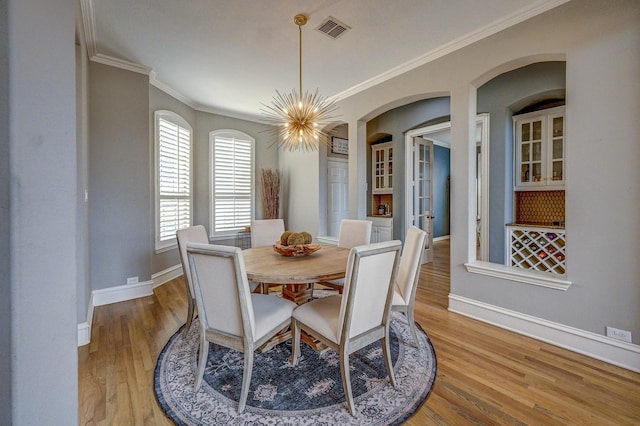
(537, 248)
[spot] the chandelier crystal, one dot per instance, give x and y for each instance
(297, 118)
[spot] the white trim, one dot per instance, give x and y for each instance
(121, 293)
(89, 25)
(442, 238)
(84, 333)
(166, 275)
(488, 30)
(543, 279)
(120, 63)
(607, 349)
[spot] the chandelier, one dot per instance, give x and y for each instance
(297, 118)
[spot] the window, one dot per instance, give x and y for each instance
(173, 177)
(232, 202)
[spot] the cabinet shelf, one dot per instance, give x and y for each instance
(539, 249)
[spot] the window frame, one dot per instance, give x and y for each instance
(240, 135)
(174, 118)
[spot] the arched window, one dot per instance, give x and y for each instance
(173, 195)
(232, 181)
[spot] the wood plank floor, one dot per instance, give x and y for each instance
(486, 375)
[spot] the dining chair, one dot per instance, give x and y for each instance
(404, 295)
(265, 232)
(353, 232)
(230, 315)
(360, 316)
(192, 234)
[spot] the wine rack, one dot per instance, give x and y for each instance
(540, 249)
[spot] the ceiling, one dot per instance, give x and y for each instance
(229, 56)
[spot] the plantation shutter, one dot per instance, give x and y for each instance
(174, 179)
(232, 183)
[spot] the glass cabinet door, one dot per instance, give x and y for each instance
(556, 174)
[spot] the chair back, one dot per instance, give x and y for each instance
(222, 292)
(368, 291)
(192, 234)
(354, 233)
(266, 232)
(409, 269)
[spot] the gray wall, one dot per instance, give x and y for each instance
(397, 122)
(524, 85)
(120, 213)
(42, 147)
(5, 243)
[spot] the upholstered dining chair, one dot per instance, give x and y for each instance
(360, 316)
(404, 295)
(265, 232)
(352, 233)
(192, 234)
(230, 315)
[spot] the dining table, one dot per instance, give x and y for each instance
(297, 275)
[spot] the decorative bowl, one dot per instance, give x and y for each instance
(296, 250)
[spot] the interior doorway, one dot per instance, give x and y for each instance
(337, 194)
(420, 200)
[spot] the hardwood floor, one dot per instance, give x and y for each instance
(486, 375)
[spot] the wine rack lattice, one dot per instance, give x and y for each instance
(540, 249)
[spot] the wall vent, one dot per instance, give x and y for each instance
(332, 27)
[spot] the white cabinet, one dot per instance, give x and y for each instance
(381, 229)
(382, 168)
(540, 150)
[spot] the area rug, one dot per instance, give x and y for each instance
(308, 394)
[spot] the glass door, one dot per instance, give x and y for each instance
(423, 192)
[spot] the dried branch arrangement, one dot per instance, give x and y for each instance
(271, 193)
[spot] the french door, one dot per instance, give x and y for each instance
(422, 187)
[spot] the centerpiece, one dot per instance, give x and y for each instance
(295, 244)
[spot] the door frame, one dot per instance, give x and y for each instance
(482, 140)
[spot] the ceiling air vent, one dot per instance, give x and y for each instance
(332, 27)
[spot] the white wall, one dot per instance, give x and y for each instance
(42, 146)
(601, 44)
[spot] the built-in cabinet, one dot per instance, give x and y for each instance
(381, 229)
(540, 150)
(382, 168)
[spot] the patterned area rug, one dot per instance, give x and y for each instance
(308, 394)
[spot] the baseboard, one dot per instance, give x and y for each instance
(444, 237)
(166, 275)
(612, 351)
(122, 293)
(84, 333)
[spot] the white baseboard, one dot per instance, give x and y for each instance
(444, 237)
(166, 275)
(109, 295)
(84, 333)
(616, 352)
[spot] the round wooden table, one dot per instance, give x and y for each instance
(296, 273)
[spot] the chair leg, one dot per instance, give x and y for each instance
(412, 324)
(295, 343)
(190, 309)
(346, 380)
(386, 351)
(202, 361)
(246, 380)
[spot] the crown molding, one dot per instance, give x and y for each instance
(89, 26)
(522, 15)
(121, 63)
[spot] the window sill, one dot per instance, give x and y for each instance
(166, 248)
(542, 279)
